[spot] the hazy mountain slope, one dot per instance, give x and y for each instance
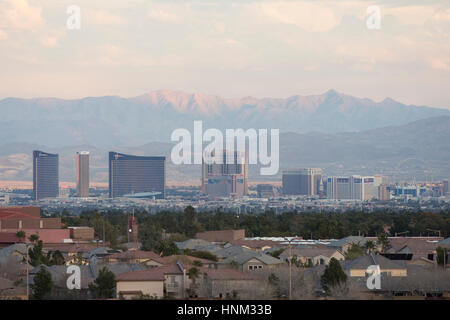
(112, 121)
(420, 149)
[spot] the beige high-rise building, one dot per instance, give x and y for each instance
(83, 174)
(228, 178)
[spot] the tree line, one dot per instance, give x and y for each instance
(316, 225)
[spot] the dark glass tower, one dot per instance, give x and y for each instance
(45, 175)
(130, 174)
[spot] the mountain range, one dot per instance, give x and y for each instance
(114, 121)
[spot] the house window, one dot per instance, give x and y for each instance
(322, 261)
(254, 267)
(431, 256)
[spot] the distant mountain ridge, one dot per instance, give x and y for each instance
(112, 121)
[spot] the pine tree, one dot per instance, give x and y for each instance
(104, 284)
(43, 284)
(333, 277)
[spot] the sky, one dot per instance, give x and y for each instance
(265, 48)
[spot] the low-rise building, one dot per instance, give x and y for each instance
(249, 261)
(316, 255)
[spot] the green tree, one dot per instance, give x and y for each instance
(197, 263)
(370, 246)
(383, 240)
(190, 225)
(333, 277)
(274, 281)
(276, 253)
(37, 256)
(193, 273)
(200, 254)
(42, 284)
(33, 238)
(21, 235)
(167, 248)
(56, 258)
(441, 256)
(354, 252)
(104, 285)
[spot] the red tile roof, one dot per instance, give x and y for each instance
(134, 254)
(182, 258)
(154, 274)
(7, 237)
(16, 215)
(69, 247)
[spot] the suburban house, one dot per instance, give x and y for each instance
(164, 281)
(230, 251)
(262, 245)
(226, 283)
(134, 256)
(249, 261)
(316, 255)
(358, 267)
(345, 243)
(420, 283)
(185, 259)
(193, 244)
(177, 280)
(88, 274)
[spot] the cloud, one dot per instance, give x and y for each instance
(52, 39)
(310, 16)
(164, 16)
(20, 15)
(102, 17)
(410, 15)
(440, 64)
(3, 35)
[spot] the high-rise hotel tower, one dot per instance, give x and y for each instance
(227, 177)
(83, 174)
(129, 174)
(45, 175)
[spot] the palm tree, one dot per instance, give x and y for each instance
(21, 235)
(33, 238)
(370, 246)
(383, 240)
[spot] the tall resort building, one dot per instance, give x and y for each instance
(354, 187)
(45, 175)
(130, 175)
(82, 174)
(302, 181)
(227, 177)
